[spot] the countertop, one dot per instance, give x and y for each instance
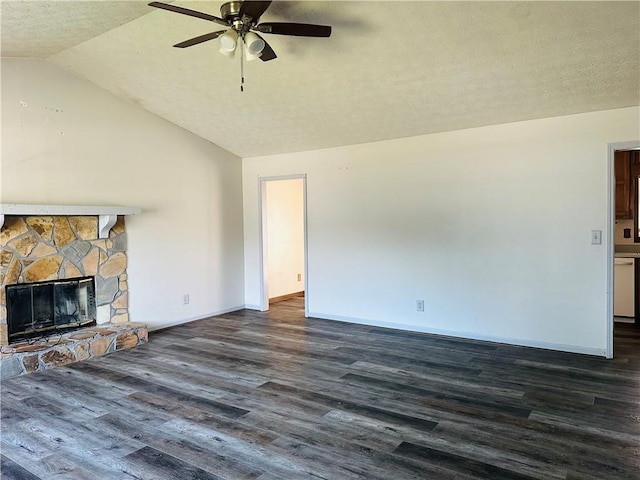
(631, 250)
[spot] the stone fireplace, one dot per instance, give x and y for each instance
(46, 247)
(35, 249)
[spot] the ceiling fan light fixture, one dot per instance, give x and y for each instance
(253, 44)
(227, 53)
(228, 42)
(248, 56)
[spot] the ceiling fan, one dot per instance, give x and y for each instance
(241, 19)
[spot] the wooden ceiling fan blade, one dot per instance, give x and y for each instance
(186, 11)
(267, 52)
(200, 39)
(253, 9)
(295, 29)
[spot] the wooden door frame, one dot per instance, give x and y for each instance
(263, 242)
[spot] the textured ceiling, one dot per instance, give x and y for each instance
(41, 28)
(389, 70)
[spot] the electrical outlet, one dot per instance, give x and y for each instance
(185, 299)
(420, 305)
(299, 277)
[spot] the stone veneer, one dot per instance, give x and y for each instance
(37, 248)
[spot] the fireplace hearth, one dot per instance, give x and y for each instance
(45, 308)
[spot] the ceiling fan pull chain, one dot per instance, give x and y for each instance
(240, 44)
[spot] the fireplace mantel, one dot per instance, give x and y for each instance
(107, 215)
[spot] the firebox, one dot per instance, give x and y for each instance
(46, 308)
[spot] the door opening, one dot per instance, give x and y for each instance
(623, 266)
(283, 238)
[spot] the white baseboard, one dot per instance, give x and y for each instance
(193, 319)
(468, 335)
(251, 307)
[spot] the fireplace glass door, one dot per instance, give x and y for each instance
(42, 308)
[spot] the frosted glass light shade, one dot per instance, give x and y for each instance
(228, 41)
(227, 53)
(254, 44)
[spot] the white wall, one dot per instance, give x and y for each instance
(489, 226)
(285, 236)
(70, 142)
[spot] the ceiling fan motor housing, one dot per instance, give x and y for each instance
(230, 12)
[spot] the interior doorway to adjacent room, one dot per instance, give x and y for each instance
(283, 207)
(623, 268)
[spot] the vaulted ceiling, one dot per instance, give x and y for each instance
(389, 70)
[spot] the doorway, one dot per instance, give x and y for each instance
(621, 231)
(283, 239)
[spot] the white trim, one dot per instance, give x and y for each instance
(464, 335)
(105, 222)
(262, 239)
(275, 178)
(80, 210)
(250, 306)
(193, 319)
(611, 220)
(306, 246)
(263, 246)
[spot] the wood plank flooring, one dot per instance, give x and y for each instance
(252, 395)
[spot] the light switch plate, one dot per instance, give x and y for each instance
(596, 237)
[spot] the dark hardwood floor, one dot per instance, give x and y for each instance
(277, 396)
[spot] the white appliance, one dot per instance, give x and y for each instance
(623, 288)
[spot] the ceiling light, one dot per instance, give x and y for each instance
(253, 46)
(228, 41)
